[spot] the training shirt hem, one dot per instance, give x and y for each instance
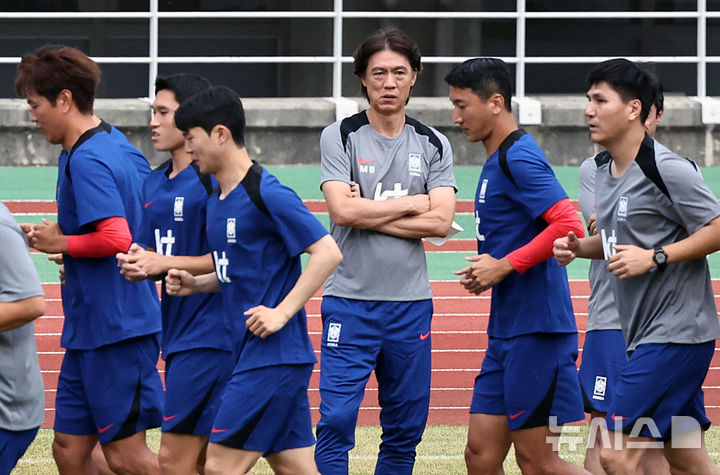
(106, 343)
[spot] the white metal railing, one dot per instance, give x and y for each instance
(520, 15)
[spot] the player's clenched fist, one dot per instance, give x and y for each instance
(265, 321)
(564, 248)
(179, 283)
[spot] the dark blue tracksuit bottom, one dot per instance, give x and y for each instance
(392, 338)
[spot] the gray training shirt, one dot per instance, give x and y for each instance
(22, 397)
(602, 311)
(377, 266)
(659, 200)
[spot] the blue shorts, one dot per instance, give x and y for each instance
(265, 410)
(602, 362)
(194, 382)
(113, 391)
(660, 381)
(530, 378)
(13, 444)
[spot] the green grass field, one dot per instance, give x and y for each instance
(440, 453)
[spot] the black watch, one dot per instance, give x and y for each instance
(660, 258)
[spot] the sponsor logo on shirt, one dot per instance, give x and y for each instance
(483, 189)
(600, 388)
(480, 237)
(230, 230)
(333, 334)
(396, 192)
(221, 267)
(414, 164)
(622, 208)
(164, 244)
(178, 208)
(608, 244)
(363, 165)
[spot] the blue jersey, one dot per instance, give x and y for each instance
(508, 208)
(101, 177)
(257, 233)
(174, 225)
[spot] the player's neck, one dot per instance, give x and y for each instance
(624, 149)
(504, 126)
(389, 125)
(77, 125)
(180, 161)
(235, 165)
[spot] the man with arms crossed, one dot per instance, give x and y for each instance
(388, 182)
(257, 229)
(657, 221)
(604, 352)
(109, 388)
(197, 344)
(21, 384)
(528, 375)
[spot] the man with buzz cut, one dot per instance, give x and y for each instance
(388, 182)
(257, 229)
(197, 344)
(528, 379)
(109, 388)
(657, 221)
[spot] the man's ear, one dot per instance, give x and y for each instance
(634, 109)
(64, 100)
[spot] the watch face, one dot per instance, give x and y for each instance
(660, 257)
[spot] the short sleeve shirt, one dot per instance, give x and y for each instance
(22, 398)
(174, 225)
(378, 266)
(660, 199)
(509, 215)
(102, 177)
(256, 234)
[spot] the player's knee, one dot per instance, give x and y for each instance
(214, 466)
(613, 461)
(166, 459)
(338, 422)
(68, 456)
(479, 460)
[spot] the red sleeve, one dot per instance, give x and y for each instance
(111, 235)
(561, 218)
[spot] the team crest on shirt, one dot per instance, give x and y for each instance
(483, 189)
(230, 230)
(600, 388)
(333, 334)
(414, 164)
(622, 208)
(178, 208)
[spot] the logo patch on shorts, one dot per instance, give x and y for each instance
(333, 334)
(600, 387)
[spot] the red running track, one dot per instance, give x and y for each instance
(458, 337)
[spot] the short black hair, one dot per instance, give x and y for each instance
(629, 80)
(485, 76)
(210, 107)
(392, 39)
(183, 85)
(659, 97)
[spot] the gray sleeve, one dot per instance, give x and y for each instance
(586, 193)
(334, 161)
(441, 167)
(18, 278)
(692, 200)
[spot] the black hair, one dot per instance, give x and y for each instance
(392, 39)
(629, 80)
(183, 85)
(659, 97)
(210, 107)
(485, 76)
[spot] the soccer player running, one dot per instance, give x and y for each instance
(197, 344)
(257, 229)
(657, 221)
(528, 379)
(109, 388)
(604, 352)
(388, 182)
(21, 387)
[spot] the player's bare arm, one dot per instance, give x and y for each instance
(182, 283)
(138, 263)
(631, 261)
(349, 209)
(324, 258)
(16, 314)
(435, 222)
(566, 249)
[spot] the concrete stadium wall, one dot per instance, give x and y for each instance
(287, 131)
